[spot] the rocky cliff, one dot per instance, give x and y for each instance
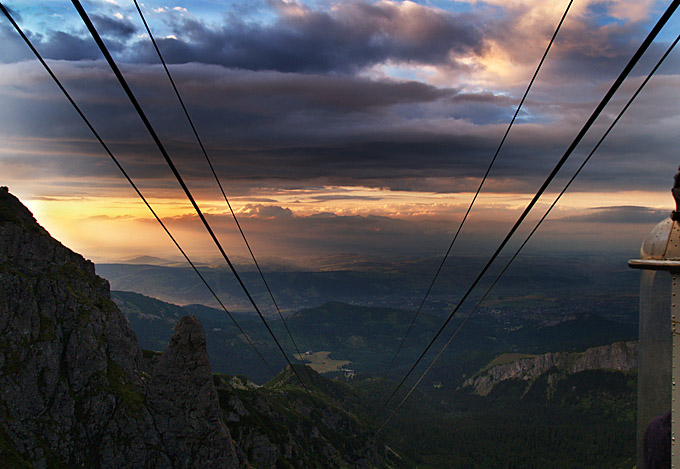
(620, 356)
(74, 387)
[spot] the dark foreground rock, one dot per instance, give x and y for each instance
(74, 386)
(181, 376)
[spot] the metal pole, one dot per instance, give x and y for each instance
(672, 245)
(659, 349)
(675, 393)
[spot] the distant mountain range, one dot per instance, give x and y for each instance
(149, 260)
(368, 337)
(557, 285)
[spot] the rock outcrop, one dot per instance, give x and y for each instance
(280, 425)
(74, 387)
(182, 376)
(620, 356)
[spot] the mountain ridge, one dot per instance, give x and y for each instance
(619, 356)
(532, 282)
(76, 389)
(368, 336)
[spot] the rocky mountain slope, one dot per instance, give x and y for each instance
(74, 387)
(620, 356)
(280, 425)
(76, 390)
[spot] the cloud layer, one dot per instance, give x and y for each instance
(296, 100)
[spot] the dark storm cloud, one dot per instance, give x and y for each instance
(51, 45)
(13, 49)
(576, 62)
(348, 38)
(287, 130)
(115, 27)
(14, 13)
(268, 125)
(56, 45)
(365, 160)
(60, 45)
(273, 130)
(484, 107)
(273, 92)
(621, 214)
(63, 45)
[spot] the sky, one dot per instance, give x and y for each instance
(358, 127)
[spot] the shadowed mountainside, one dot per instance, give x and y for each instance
(76, 390)
(75, 387)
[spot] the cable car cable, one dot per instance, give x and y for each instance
(598, 110)
(178, 176)
(538, 224)
(129, 179)
(214, 173)
(481, 184)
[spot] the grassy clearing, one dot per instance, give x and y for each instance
(321, 363)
